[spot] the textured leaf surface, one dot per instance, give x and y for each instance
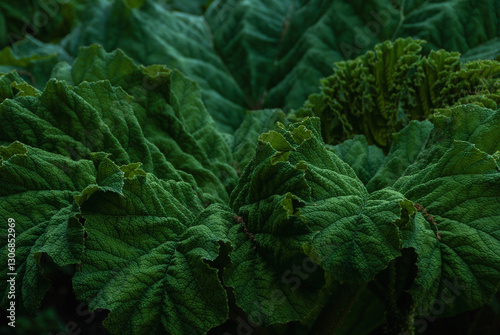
(37, 190)
(257, 54)
(33, 60)
(363, 158)
(244, 142)
(158, 228)
(147, 251)
(305, 206)
(405, 148)
(180, 41)
(194, 145)
(378, 93)
(457, 181)
(166, 127)
(47, 19)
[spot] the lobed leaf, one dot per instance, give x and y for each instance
(307, 211)
(457, 181)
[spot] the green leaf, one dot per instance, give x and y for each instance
(182, 143)
(245, 139)
(306, 209)
(149, 249)
(456, 181)
(47, 20)
(37, 190)
(180, 41)
(7, 85)
(194, 6)
(194, 145)
(34, 60)
(470, 26)
(364, 159)
(76, 184)
(405, 148)
(379, 93)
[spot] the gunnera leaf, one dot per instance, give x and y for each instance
(149, 249)
(301, 211)
(244, 141)
(164, 125)
(455, 187)
(379, 93)
(32, 59)
(64, 167)
(37, 190)
(363, 158)
(406, 146)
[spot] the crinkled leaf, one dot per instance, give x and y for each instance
(378, 93)
(304, 209)
(37, 190)
(364, 159)
(195, 145)
(34, 60)
(180, 41)
(470, 26)
(7, 85)
(148, 250)
(405, 148)
(169, 131)
(457, 182)
(245, 139)
(47, 20)
(318, 33)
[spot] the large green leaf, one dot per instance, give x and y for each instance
(363, 158)
(470, 27)
(37, 190)
(405, 148)
(46, 19)
(456, 180)
(165, 127)
(180, 41)
(304, 207)
(257, 54)
(33, 60)
(174, 102)
(244, 141)
(378, 93)
(148, 250)
(66, 183)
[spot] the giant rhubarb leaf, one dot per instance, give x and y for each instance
(147, 249)
(366, 160)
(194, 145)
(406, 146)
(65, 183)
(378, 93)
(37, 190)
(455, 186)
(162, 123)
(300, 207)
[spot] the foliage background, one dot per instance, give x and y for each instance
(245, 55)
